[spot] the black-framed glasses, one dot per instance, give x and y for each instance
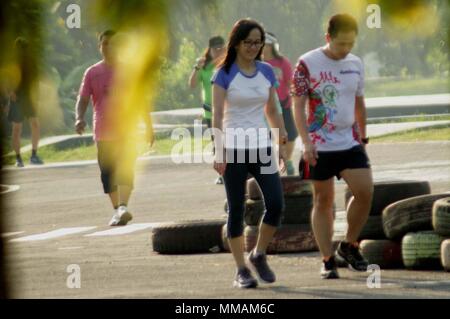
(250, 43)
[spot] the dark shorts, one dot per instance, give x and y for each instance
(19, 111)
(289, 121)
(330, 164)
(117, 163)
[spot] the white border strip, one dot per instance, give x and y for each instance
(54, 234)
(10, 188)
(10, 234)
(123, 230)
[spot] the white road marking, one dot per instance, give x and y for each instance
(10, 188)
(10, 234)
(70, 248)
(54, 234)
(121, 230)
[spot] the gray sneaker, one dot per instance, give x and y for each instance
(36, 160)
(262, 269)
(244, 279)
(19, 163)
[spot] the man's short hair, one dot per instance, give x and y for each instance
(341, 23)
(107, 33)
(21, 43)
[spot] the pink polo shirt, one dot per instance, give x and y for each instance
(283, 71)
(97, 82)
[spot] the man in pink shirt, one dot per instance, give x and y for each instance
(116, 161)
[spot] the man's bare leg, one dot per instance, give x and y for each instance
(114, 197)
(16, 134)
(361, 184)
(35, 132)
(124, 193)
(322, 216)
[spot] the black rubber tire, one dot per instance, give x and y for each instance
(445, 254)
(287, 239)
(187, 237)
(385, 193)
(254, 211)
(422, 250)
(373, 229)
(292, 186)
(409, 215)
(225, 245)
(441, 216)
(297, 210)
(384, 253)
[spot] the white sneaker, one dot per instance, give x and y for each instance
(121, 217)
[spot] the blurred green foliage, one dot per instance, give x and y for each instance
(298, 24)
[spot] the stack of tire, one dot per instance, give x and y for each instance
(376, 246)
(295, 233)
(188, 237)
(422, 224)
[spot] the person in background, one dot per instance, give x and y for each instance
(21, 106)
(202, 72)
(115, 159)
(283, 70)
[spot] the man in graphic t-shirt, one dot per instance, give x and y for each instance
(330, 115)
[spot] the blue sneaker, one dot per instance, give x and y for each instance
(260, 265)
(244, 279)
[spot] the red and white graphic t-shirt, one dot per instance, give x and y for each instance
(331, 86)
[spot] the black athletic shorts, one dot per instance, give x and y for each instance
(330, 164)
(19, 110)
(117, 164)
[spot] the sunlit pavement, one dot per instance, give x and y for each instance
(57, 222)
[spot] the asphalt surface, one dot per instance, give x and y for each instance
(114, 265)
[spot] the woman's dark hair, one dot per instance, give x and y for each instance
(207, 56)
(276, 53)
(341, 22)
(240, 32)
(214, 41)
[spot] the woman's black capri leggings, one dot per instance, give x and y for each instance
(235, 178)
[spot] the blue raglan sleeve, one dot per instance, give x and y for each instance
(220, 78)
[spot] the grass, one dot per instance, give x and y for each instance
(165, 146)
(398, 87)
(417, 135)
(51, 154)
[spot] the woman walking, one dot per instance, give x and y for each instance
(243, 96)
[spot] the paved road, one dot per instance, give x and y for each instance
(58, 218)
